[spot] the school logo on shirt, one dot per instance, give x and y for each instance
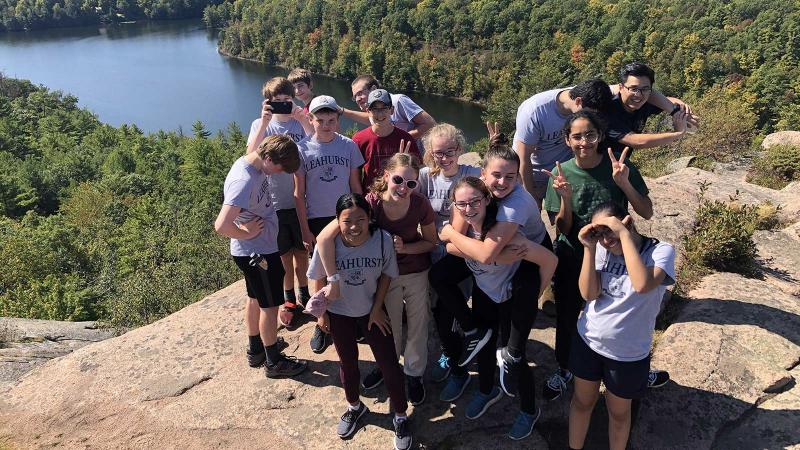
(445, 210)
(264, 192)
(327, 175)
(355, 277)
(616, 278)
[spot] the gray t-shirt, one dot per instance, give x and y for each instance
(281, 185)
(248, 188)
(359, 268)
(437, 189)
(495, 280)
(619, 324)
(327, 167)
(404, 111)
(540, 123)
(519, 207)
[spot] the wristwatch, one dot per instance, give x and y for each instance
(675, 108)
(334, 277)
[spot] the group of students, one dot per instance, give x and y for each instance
(394, 244)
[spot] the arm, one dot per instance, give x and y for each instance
(299, 115)
(429, 241)
(377, 316)
(225, 225)
(485, 251)
(643, 279)
(563, 189)
(620, 173)
(650, 140)
(524, 152)
(356, 116)
(300, 207)
(589, 279)
(355, 181)
(326, 246)
(423, 122)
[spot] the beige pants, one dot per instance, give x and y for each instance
(410, 291)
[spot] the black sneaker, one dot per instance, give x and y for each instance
(287, 366)
(320, 340)
(258, 359)
(373, 379)
(402, 437)
(472, 344)
(349, 420)
(556, 384)
(509, 371)
(657, 378)
(415, 389)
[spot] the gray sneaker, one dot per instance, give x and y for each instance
(402, 437)
(349, 420)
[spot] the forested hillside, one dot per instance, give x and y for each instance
(29, 14)
(501, 51)
(105, 223)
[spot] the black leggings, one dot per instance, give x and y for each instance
(451, 305)
(569, 301)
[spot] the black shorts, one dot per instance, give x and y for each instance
(625, 379)
(318, 223)
(289, 236)
(266, 286)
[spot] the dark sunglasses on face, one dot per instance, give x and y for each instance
(411, 184)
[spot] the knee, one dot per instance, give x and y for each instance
(583, 403)
(619, 415)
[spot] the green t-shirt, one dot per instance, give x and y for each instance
(590, 188)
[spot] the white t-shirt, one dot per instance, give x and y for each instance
(281, 184)
(437, 190)
(540, 123)
(327, 167)
(519, 207)
(248, 188)
(495, 280)
(404, 112)
(619, 324)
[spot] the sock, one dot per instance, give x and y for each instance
(273, 355)
(354, 408)
(255, 344)
(289, 295)
(304, 295)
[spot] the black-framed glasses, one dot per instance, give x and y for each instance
(474, 203)
(447, 153)
(639, 90)
(411, 184)
(590, 137)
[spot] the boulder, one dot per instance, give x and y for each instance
(781, 138)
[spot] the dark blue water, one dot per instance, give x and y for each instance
(167, 75)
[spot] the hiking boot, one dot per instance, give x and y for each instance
(373, 379)
(349, 420)
(523, 425)
(509, 371)
(481, 402)
(454, 387)
(556, 385)
(286, 367)
(320, 340)
(441, 370)
(402, 436)
(257, 359)
(415, 389)
(472, 344)
(657, 378)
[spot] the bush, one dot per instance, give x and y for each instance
(776, 167)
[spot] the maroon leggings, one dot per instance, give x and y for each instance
(343, 330)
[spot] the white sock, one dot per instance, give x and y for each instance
(353, 408)
(400, 418)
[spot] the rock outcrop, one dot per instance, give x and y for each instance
(781, 138)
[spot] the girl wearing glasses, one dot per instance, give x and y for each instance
(575, 189)
(623, 281)
(399, 208)
(444, 144)
(495, 298)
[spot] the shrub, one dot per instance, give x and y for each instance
(776, 167)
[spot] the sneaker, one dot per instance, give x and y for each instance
(472, 344)
(415, 389)
(441, 370)
(373, 379)
(320, 340)
(509, 371)
(286, 314)
(454, 387)
(523, 425)
(347, 424)
(287, 366)
(360, 339)
(657, 378)
(258, 359)
(556, 385)
(481, 402)
(402, 437)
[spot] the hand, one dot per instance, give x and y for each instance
(619, 171)
(252, 228)
(618, 227)
(379, 319)
(405, 147)
(685, 108)
(679, 121)
(333, 291)
(308, 240)
(560, 183)
(444, 234)
(266, 112)
(324, 323)
(493, 130)
(589, 235)
(398, 243)
(298, 114)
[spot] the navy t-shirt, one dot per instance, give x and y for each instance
(622, 122)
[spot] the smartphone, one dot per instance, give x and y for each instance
(281, 107)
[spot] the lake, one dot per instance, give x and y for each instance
(167, 75)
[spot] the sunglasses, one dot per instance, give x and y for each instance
(411, 184)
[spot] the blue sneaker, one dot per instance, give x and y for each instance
(481, 402)
(454, 388)
(441, 369)
(523, 425)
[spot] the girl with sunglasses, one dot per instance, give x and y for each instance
(623, 282)
(494, 296)
(576, 187)
(400, 209)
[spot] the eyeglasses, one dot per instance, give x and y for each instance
(638, 90)
(448, 153)
(361, 93)
(398, 180)
(589, 138)
(474, 203)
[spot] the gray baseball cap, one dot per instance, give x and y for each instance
(323, 101)
(379, 95)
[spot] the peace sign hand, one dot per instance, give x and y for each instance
(560, 183)
(405, 147)
(619, 171)
(493, 130)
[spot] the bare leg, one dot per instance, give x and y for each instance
(251, 314)
(619, 421)
(288, 268)
(268, 325)
(580, 410)
(300, 267)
